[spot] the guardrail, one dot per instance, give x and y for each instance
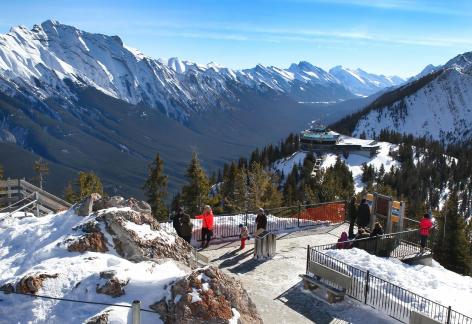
(15, 190)
(278, 219)
(401, 245)
(383, 295)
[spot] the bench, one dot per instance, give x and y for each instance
(322, 272)
(418, 318)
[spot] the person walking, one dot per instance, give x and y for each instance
(352, 216)
(363, 214)
(186, 228)
(261, 222)
(176, 220)
(425, 226)
(243, 235)
(207, 225)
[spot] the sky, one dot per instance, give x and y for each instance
(391, 37)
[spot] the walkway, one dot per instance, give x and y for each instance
(275, 287)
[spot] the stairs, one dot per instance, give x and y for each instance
(19, 195)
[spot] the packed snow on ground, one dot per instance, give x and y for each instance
(433, 282)
(355, 162)
(36, 245)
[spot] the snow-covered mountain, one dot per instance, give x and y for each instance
(437, 105)
(41, 59)
(362, 83)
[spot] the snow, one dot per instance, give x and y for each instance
(440, 110)
(36, 245)
(145, 232)
(285, 166)
(435, 283)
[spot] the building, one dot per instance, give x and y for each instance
(321, 140)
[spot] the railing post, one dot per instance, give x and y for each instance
(366, 288)
(245, 218)
(136, 312)
(298, 216)
(36, 197)
(307, 258)
(448, 315)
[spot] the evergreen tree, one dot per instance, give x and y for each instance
(155, 189)
(41, 169)
(88, 183)
(338, 183)
(452, 248)
(195, 193)
(1, 172)
(69, 193)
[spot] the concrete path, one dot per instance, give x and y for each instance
(275, 287)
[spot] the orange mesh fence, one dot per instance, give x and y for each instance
(330, 212)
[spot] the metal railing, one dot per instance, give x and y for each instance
(278, 219)
(383, 295)
(401, 245)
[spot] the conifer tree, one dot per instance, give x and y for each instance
(155, 189)
(452, 248)
(41, 168)
(69, 193)
(88, 183)
(1, 172)
(195, 193)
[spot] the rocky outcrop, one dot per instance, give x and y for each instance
(85, 207)
(113, 287)
(120, 202)
(207, 296)
(99, 319)
(92, 242)
(32, 283)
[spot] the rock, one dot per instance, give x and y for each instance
(108, 274)
(99, 319)
(85, 207)
(109, 202)
(93, 242)
(7, 288)
(113, 287)
(31, 284)
(212, 307)
(131, 246)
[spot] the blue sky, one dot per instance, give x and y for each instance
(380, 36)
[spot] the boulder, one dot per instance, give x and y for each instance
(85, 207)
(207, 296)
(99, 319)
(92, 242)
(7, 288)
(113, 287)
(120, 202)
(31, 284)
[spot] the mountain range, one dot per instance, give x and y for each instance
(86, 101)
(436, 104)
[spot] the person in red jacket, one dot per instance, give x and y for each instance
(425, 225)
(207, 225)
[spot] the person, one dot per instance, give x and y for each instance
(425, 225)
(261, 222)
(243, 235)
(176, 222)
(378, 230)
(207, 225)
(186, 228)
(352, 216)
(342, 242)
(363, 214)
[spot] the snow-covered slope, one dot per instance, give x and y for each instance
(33, 245)
(435, 283)
(362, 83)
(438, 106)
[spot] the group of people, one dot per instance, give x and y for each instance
(360, 216)
(184, 227)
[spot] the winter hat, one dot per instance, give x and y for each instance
(427, 215)
(261, 210)
(240, 225)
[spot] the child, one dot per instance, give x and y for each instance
(243, 235)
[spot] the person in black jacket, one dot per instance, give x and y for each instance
(186, 228)
(176, 222)
(261, 222)
(352, 216)
(378, 230)
(363, 214)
